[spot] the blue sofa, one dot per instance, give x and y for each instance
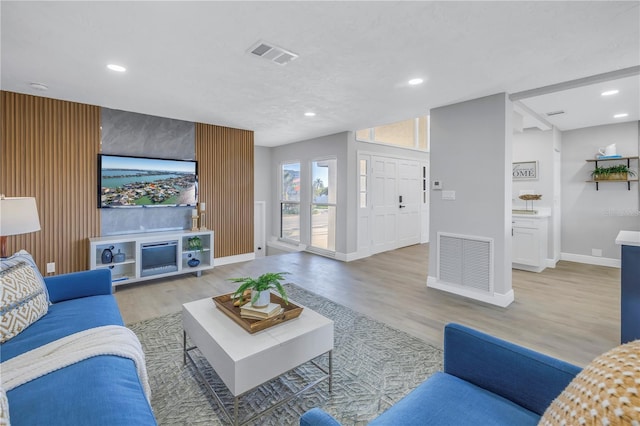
(486, 381)
(103, 390)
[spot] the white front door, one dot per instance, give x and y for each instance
(395, 207)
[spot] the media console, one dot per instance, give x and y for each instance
(151, 255)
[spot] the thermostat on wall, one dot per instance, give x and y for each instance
(437, 184)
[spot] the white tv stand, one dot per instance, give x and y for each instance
(131, 269)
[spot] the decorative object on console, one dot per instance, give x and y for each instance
(119, 257)
(18, 215)
(202, 209)
(194, 243)
(107, 255)
(529, 197)
(260, 294)
(193, 262)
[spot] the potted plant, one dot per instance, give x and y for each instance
(260, 294)
(194, 244)
(618, 172)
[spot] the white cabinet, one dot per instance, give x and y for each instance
(529, 243)
(152, 255)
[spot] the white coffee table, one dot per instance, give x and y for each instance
(245, 361)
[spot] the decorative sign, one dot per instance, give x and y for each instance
(525, 170)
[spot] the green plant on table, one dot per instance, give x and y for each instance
(266, 281)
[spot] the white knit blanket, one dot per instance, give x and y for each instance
(107, 340)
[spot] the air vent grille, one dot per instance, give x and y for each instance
(466, 261)
(272, 53)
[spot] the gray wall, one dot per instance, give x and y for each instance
(128, 133)
(592, 219)
(304, 152)
(471, 154)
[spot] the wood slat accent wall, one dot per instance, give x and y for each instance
(48, 151)
(225, 170)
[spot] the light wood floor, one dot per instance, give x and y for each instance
(571, 312)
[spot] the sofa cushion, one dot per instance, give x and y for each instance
(63, 319)
(607, 391)
(447, 400)
(23, 295)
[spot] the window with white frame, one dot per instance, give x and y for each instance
(290, 201)
(412, 133)
(323, 203)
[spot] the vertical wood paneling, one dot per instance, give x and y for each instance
(49, 150)
(225, 172)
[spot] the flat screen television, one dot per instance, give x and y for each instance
(125, 182)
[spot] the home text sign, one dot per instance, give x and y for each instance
(525, 170)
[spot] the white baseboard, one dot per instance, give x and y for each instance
(590, 260)
(348, 257)
(219, 261)
(498, 299)
(551, 263)
(288, 247)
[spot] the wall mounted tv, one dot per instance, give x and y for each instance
(125, 182)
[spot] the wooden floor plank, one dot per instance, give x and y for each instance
(571, 311)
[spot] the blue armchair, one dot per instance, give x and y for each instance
(486, 381)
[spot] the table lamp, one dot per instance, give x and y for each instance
(18, 215)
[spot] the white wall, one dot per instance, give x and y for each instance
(543, 147)
(262, 187)
(471, 153)
(591, 219)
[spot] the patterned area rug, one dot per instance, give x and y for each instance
(373, 367)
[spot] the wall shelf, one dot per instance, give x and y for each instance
(601, 160)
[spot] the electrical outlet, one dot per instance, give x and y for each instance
(51, 267)
(596, 252)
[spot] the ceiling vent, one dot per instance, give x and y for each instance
(549, 114)
(272, 53)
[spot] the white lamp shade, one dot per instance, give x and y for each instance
(18, 215)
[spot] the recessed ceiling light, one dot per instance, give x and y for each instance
(610, 92)
(623, 115)
(117, 68)
(310, 114)
(415, 81)
(38, 86)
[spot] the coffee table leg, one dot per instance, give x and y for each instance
(330, 371)
(235, 410)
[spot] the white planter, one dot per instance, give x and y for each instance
(263, 298)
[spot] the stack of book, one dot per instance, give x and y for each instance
(251, 312)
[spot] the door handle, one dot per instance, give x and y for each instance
(402, 207)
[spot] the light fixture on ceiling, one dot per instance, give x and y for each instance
(310, 114)
(415, 81)
(39, 86)
(116, 68)
(610, 92)
(621, 115)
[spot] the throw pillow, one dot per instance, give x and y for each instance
(4, 409)
(606, 392)
(23, 295)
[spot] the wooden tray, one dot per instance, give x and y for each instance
(225, 304)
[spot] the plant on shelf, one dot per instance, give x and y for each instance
(195, 244)
(618, 172)
(260, 288)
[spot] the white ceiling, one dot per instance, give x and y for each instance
(188, 60)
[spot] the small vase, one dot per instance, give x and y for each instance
(263, 298)
(193, 262)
